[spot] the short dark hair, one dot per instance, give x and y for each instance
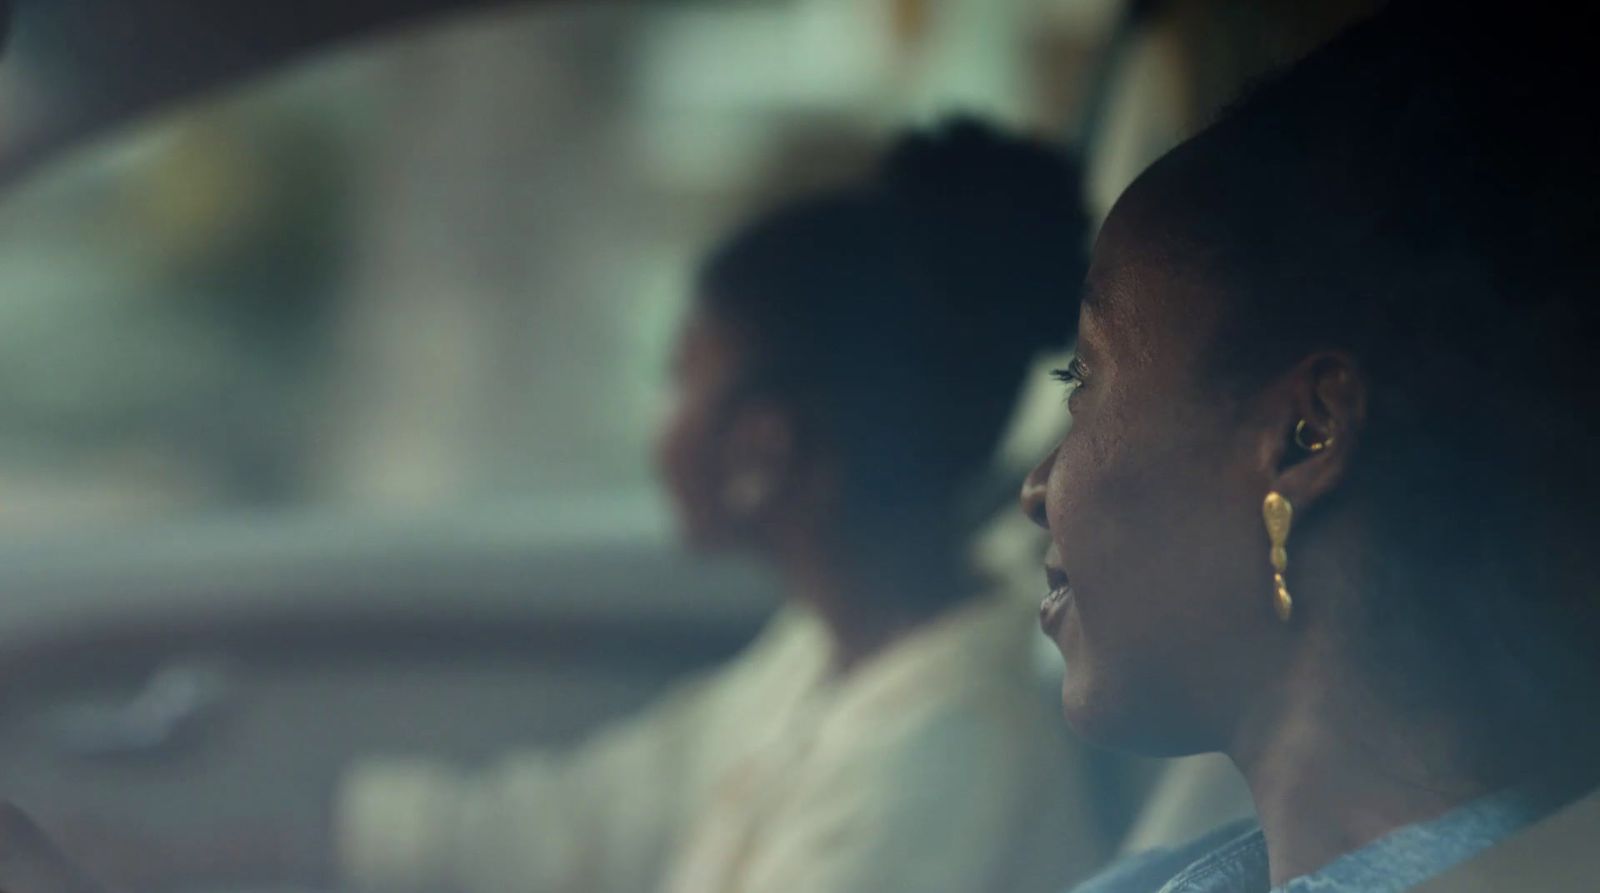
(900, 312)
(1421, 192)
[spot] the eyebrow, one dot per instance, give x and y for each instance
(1100, 304)
(1091, 296)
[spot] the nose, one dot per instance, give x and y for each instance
(1034, 488)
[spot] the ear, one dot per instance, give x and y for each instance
(760, 444)
(1315, 423)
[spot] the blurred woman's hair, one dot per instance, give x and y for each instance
(897, 316)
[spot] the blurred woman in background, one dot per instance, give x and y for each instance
(1328, 504)
(842, 381)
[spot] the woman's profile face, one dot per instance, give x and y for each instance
(690, 455)
(1158, 561)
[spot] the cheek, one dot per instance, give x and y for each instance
(1148, 522)
(1096, 500)
(683, 455)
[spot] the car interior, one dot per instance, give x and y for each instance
(333, 337)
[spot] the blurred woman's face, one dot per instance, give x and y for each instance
(727, 455)
(689, 454)
(1160, 588)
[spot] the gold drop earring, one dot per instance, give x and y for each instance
(1278, 514)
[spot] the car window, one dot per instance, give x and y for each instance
(439, 270)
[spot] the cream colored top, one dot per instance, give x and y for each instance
(1192, 797)
(941, 764)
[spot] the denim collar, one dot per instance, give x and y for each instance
(1408, 856)
(1234, 859)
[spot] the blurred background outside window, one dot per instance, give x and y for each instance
(439, 271)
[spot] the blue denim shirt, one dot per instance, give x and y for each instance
(1234, 859)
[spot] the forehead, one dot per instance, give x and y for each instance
(1148, 288)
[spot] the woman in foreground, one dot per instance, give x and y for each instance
(1329, 503)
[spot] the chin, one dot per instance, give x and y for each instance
(708, 539)
(1116, 718)
(692, 540)
(697, 531)
(1086, 713)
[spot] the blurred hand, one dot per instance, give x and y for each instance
(31, 863)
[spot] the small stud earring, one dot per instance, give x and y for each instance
(1278, 514)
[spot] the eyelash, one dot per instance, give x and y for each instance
(1072, 376)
